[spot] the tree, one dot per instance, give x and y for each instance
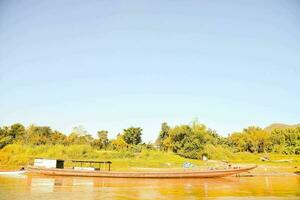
(286, 140)
(252, 139)
(57, 138)
(162, 140)
(16, 131)
(79, 136)
(80, 130)
(237, 142)
(5, 139)
(75, 138)
(102, 141)
(165, 130)
(186, 141)
(119, 143)
(4, 131)
(258, 138)
(11, 134)
(133, 135)
(38, 135)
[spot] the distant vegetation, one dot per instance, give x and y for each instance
(284, 140)
(187, 141)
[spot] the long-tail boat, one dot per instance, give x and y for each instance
(57, 169)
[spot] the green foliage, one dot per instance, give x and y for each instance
(5, 141)
(102, 142)
(133, 135)
(162, 140)
(57, 138)
(79, 130)
(38, 135)
(218, 152)
(257, 140)
(76, 138)
(79, 151)
(187, 140)
(252, 139)
(119, 143)
(11, 134)
(19, 145)
(165, 129)
(288, 139)
(16, 131)
(16, 155)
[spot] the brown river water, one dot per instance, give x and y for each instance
(58, 188)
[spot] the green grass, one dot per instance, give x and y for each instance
(15, 156)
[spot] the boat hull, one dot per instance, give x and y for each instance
(116, 174)
(12, 172)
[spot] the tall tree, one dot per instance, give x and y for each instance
(187, 142)
(17, 131)
(102, 141)
(133, 135)
(119, 143)
(57, 138)
(162, 140)
(80, 130)
(5, 139)
(39, 135)
(165, 130)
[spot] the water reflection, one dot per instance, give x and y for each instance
(45, 187)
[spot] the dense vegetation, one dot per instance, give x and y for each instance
(191, 141)
(257, 140)
(187, 141)
(196, 140)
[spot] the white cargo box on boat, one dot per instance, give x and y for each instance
(48, 163)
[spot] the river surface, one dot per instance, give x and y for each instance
(58, 188)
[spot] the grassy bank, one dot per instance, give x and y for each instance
(15, 156)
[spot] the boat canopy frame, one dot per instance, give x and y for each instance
(106, 164)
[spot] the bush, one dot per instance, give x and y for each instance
(79, 151)
(217, 152)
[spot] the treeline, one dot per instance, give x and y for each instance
(191, 141)
(258, 140)
(195, 140)
(44, 135)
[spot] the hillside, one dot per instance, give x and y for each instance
(281, 126)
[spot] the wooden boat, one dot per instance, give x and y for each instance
(120, 174)
(87, 168)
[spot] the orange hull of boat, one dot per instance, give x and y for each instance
(116, 174)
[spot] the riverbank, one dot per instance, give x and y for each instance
(17, 156)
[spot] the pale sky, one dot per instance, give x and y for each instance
(113, 64)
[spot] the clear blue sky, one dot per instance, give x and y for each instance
(113, 64)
